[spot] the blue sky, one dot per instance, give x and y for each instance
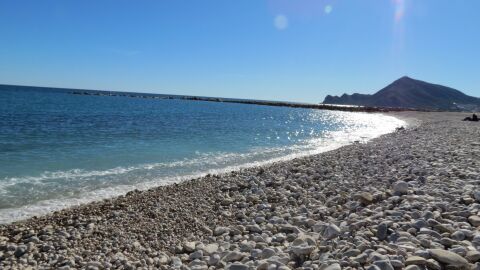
(297, 50)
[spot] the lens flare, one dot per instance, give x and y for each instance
(399, 6)
(280, 22)
(301, 9)
(328, 9)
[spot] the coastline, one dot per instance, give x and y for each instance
(385, 202)
(378, 124)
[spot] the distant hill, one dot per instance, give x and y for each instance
(410, 93)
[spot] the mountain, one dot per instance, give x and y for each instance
(410, 93)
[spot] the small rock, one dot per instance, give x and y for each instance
(365, 198)
(334, 266)
(476, 195)
(448, 257)
(237, 266)
(267, 253)
(198, 265)
(400, 187)
(163, 258)
(382, 230)
(417, 260)
(331, 231)
(189, 246)
(233, 256)
(20, 250)
(213, 259)
(220, 230)
(433, 265)
(383, 265)
(352, 253)
(473, 256)
(302, 250)
(458, 236)
(413, 267)
(210, 248)
(474, 220)
(254, 228)
(196, 255)
(397, 264)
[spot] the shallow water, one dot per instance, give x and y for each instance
(59, 149)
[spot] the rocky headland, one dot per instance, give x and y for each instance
(405, 200)
(411, 93)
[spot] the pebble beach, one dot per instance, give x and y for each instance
(406, 200)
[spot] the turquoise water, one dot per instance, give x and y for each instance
(59, 149)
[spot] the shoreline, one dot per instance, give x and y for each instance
(392, 202)
(45, 207)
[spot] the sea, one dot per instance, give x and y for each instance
(59, 149)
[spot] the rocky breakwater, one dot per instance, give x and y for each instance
(406, 200)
